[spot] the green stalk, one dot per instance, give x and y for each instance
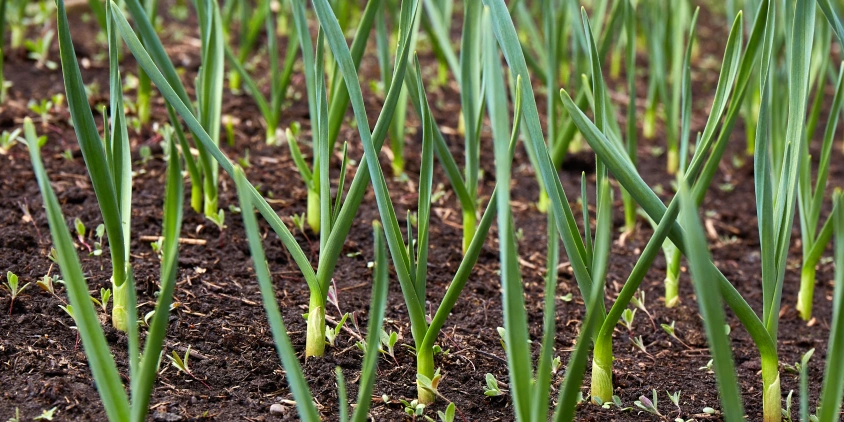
(470, 221)
(811, 196)
(315, 340)
(313, 210)
(425, 367)
(672, 278)
(807, 291)
(712, 314)
(209, 95)
(144, 84)
(144, 95)
(833, 384)
(631, 135)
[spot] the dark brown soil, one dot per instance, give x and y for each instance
(42, 365)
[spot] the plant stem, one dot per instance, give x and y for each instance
(313, 210)
(210, 191)
(673, 160)
(602, 372)
(649, 124)
(543, 203)
(120, 297)
(196, 194)
(272, 137)
(470, 226)
(17, 36)
(672, 280)
(425, 366)
(807, 291)
(398, 158)
(144, 94)
(315, 341)
(771, 394)
(234, 81)
(629, 211)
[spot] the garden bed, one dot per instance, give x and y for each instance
(220, 316)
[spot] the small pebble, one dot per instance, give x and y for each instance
(166, 417)
(277, 409)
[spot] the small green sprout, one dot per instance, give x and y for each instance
(244, 161)
(493, 387)
(98, 244)
(179, 363)
(556, 365)
(81, 231)
(671, 331)
(13, 288)
(58, 100)
(331, 335)
(41, 108)
(448, 415)
(102, 302)
(47, 282)
(228, 122)
(148, 316)
(638, 301)
(786, 412)
(708, 367)
(156, 247)
(299, 221)
(39, 50)
(219, 219)
(53, 256)
(389, 341)
(68, 309)
(649, 406)
(627, 318)
(640, 344)
(675, 398)
(67, 154)
(17, 417)
(616, 401)
(413, 408)
(8, 140)
(430, 384)
(46, 415)
(146, 154)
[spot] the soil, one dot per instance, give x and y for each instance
(42, 364)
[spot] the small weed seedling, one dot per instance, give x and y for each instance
(42, 108)
(388, 341)
(331, 335)
(8, 140)
(671, 331)
(13, 288)
(102, 302)
(649, 406)
(493, 388)
(46, 415)
(182, 365)
(627, 318)
(616, 401)
(39, 50)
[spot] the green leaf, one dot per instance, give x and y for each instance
(102, 365)
(833, 382)
(711, 309)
